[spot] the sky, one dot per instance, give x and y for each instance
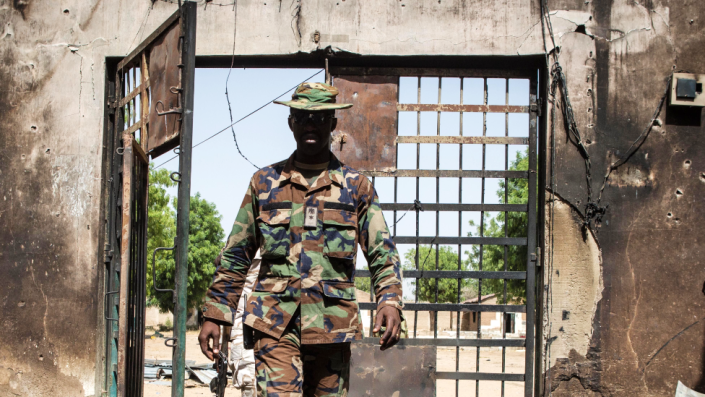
(221, 175)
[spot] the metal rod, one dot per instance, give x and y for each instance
(125, 240)
(188, 59)
(482, 234)
(453, 307)
(458, 207)
(463, 240)
(410, 107)
(447, 342)
(450, 173)
(418, 165)
(460, 229)
(456, 274)
(530, 269)
(438, 192)
(506, 221)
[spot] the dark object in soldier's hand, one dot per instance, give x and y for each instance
(219, 383)
(248, 337)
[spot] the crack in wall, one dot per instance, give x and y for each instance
(46, 301)
(296, 21)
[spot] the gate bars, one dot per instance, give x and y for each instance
(143, 121)
(420, 238)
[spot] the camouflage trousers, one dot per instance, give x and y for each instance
(286, 368)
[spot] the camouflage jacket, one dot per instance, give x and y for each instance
(310, 267)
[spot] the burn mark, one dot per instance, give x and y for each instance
(21, 6)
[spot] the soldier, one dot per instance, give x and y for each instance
(306, 215)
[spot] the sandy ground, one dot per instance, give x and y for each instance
(490, 361)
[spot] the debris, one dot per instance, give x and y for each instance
(683, 391)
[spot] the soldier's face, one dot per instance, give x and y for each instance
(312, 131)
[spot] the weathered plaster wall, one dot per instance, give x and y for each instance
(52, 77)
(575, 279)
(647, 331)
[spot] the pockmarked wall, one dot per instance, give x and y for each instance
(634, 328)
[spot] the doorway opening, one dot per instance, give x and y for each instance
(453, 158)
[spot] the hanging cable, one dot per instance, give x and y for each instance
(246, 116)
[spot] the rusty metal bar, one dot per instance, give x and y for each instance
(429, 107)
(460, 228)
(448, 174)
(505, 225)
(418, 165)
(447, 342)
(134, 93)
(453, 307)
(482, 234)
(429, 72)
(438, 200)
(133, 128)
(457, 207)
(139, 152)
(459, 274)
(478, 376)
(462, 240)
(530, 265)
(144, 95)
(489, 140)
(127, 164)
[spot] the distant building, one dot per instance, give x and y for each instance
(492, 323)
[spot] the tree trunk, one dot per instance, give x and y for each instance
(431, 321)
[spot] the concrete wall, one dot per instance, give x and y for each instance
(634, 330)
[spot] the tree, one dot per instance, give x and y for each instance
(205, 241)
(161, 228)
(447, 287)
(362, 283)
(517, 226)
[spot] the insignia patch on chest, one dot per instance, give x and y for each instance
(311, 220)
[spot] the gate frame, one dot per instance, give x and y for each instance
(317, 59)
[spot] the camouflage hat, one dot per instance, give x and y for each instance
(314, 97)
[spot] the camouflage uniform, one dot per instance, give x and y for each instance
(306, 273)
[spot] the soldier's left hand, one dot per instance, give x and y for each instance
(388, 317)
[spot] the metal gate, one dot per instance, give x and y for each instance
(370, 138)
(150, 100)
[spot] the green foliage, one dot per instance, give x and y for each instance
(517, 226)
(447, 260)
(205, 240)
(362, 283)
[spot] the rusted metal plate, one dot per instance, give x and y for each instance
(366, 132)
(165, 81)
(437, 107)
(408, 371)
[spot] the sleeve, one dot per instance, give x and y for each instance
(379, 249)
(229, 279)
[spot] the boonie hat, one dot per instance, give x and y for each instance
(314, 97)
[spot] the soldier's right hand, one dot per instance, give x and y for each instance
(210, 330)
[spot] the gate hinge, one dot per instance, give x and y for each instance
(536, 256)
(536, 107)
(107, 254)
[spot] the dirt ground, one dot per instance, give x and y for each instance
(490, 361)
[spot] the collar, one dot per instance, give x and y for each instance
(332, 174)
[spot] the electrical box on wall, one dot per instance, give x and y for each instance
(687, 90)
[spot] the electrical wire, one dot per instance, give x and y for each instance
(244, 117)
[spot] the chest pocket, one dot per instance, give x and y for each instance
(273, 222)
(340, 230)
